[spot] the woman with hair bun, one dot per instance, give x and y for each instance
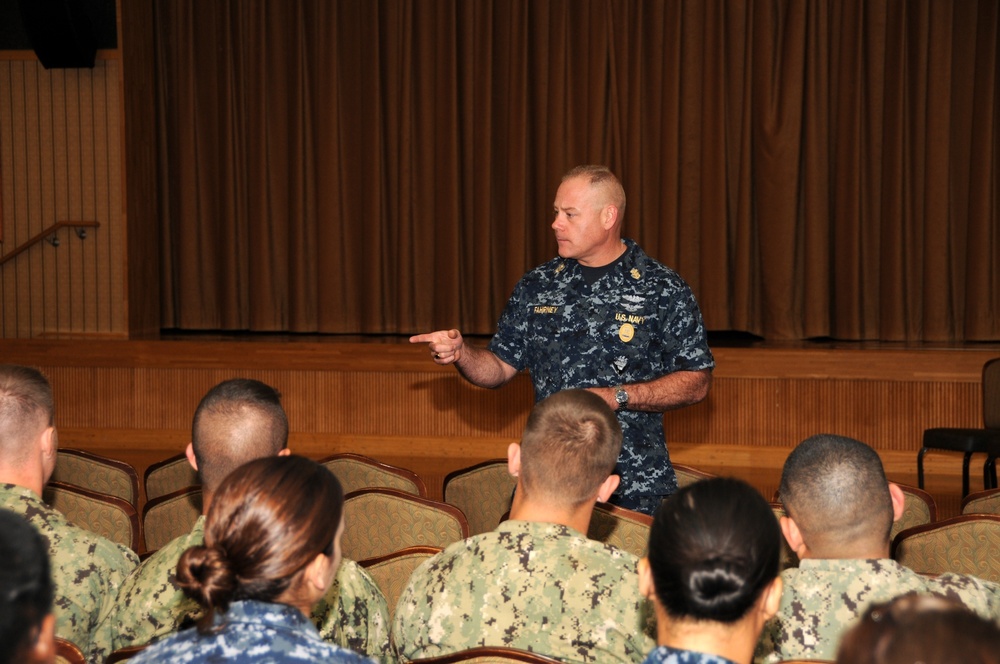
(272, 548)
(712, 573)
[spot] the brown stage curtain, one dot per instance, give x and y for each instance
(812, 168)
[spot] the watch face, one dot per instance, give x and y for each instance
(621, 396)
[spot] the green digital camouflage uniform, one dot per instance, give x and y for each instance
(534, 586)
(86, 570)
(353, 614)
(822, 598)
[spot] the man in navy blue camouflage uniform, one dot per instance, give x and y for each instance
(602, 316)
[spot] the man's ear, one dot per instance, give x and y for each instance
(793, 535)
(49, 441)
(608, 487)
(898, 501)
(514, 459)
(646, 587)
(192, 459)
(609, 216)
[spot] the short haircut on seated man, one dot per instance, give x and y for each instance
(835, 489)
(26, 409)
(570, 445)
(237, 421)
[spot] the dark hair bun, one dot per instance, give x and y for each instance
(713, 547)
(717, 587)
(205, 575)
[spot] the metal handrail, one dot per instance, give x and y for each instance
(50, 235)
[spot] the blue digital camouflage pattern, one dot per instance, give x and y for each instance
(353, 613)
(638, 322)
(86, 570)
(668, 655)
(823, 598)
(535, 586)
(250, 633)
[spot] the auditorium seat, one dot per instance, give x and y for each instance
(621, 528)
(170, 516)
(689, 474)
(109, 516)
(392, 572)
(169, 475)
(378, 522)
(483, 492)
(97, 473)
(964, 544)
(982, 502)
(357, 472)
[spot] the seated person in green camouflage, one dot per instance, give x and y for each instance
(840, 509)
(267, 558)
(27, 626)
(536, 582)
(86, 568)
(236, 422)
(711, 573)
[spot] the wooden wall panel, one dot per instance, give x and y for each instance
(135, 399)
(60, 160)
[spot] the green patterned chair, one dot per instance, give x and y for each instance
(378, 522)
(357, 472)
(97, 473)
(689, 475)
(169, 475)
(964, 544)
(489, 655)
(109, 516)
(392, 572)
(483, 492)
(982, 502)
(621, 528)
(918, 509)
(170, 516)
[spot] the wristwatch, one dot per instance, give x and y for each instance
(621, 396)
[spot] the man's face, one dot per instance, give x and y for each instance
(579, 224)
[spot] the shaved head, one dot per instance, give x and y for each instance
(835, 489)
(238, 421)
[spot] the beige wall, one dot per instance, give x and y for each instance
(61, 159)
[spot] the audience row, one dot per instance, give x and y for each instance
(265, 557)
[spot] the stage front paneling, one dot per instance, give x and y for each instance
(134, 400)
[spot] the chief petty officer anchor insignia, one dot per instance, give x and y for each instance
(627, 331)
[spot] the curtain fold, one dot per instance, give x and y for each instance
(818, 168)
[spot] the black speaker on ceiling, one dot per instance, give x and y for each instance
(61, 32)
